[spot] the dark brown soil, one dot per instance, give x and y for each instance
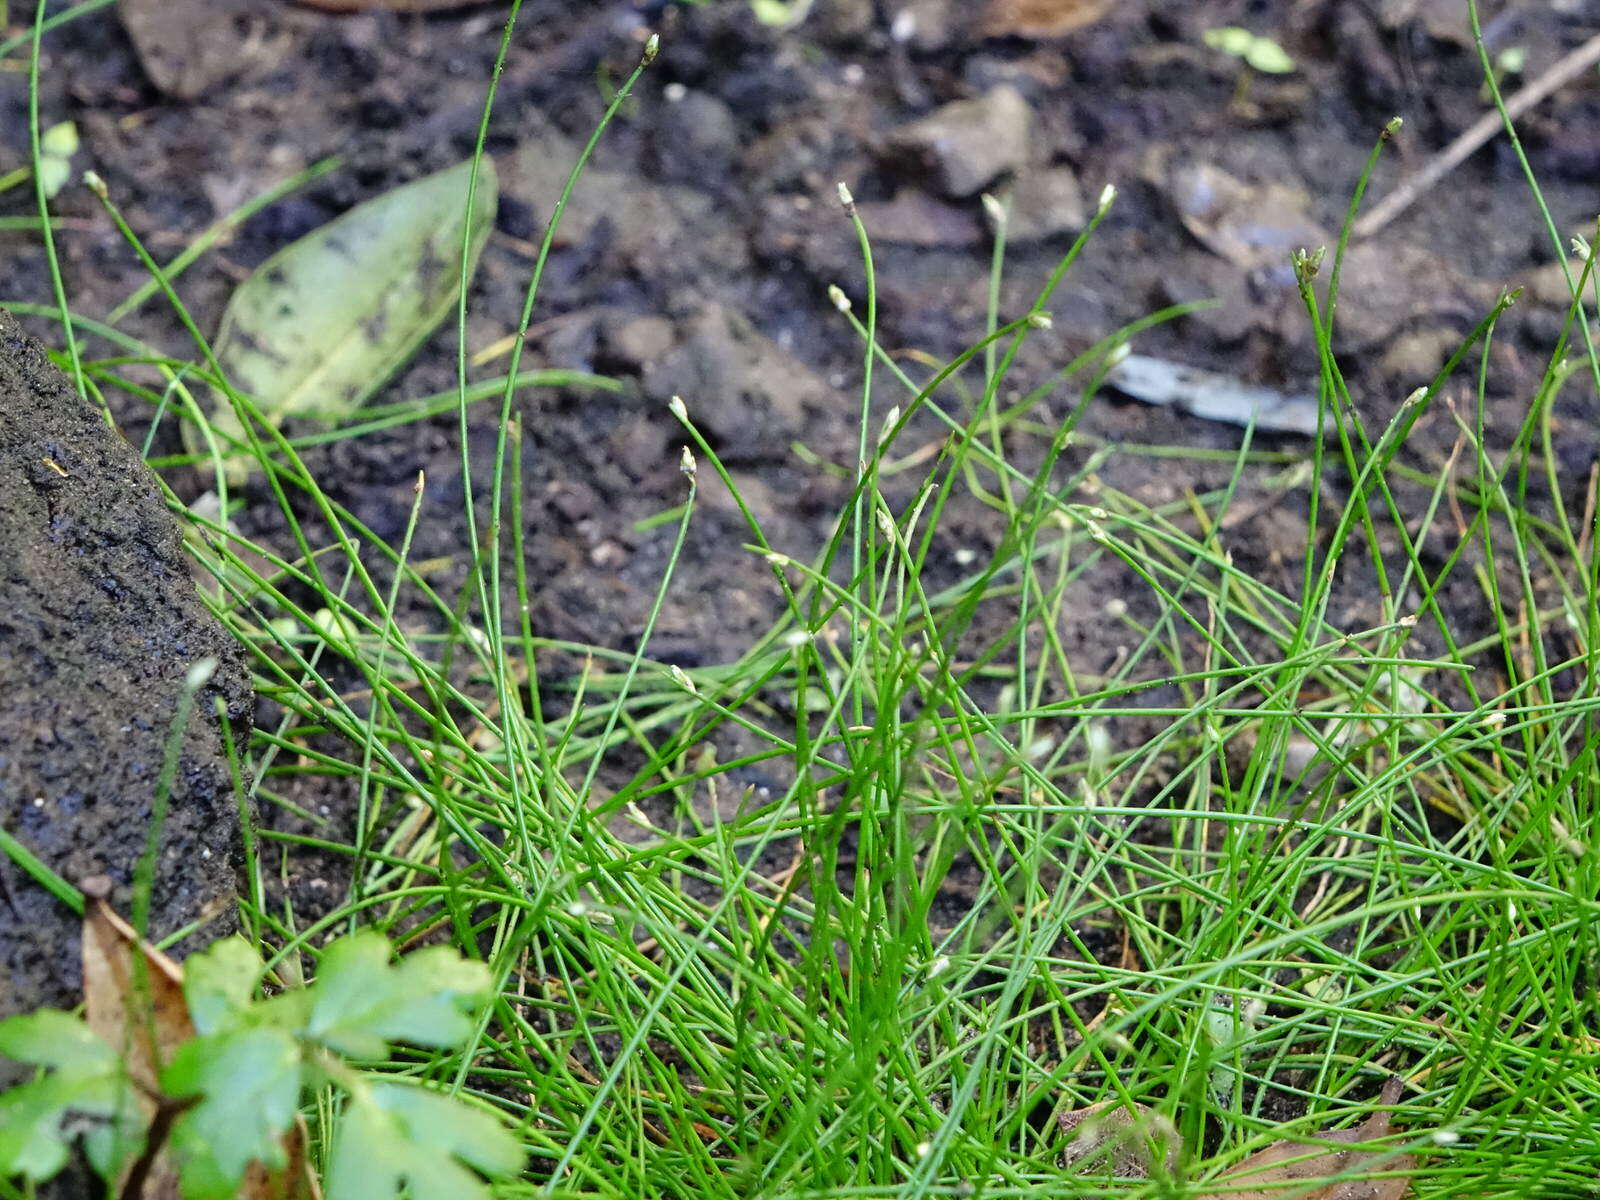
(698, 256)
(100, 625)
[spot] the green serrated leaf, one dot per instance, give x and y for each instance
(395, 1136)
(248, 1081)
(32, 1142)
(219, 983)
(444, 1125)
(361, 1001)
(439, 990)
(85, 1079)
(322, 324)
(51, 1038)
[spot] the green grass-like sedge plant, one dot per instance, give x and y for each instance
(1253, 867)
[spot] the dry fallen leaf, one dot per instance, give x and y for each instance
(1273, 1173)
(1118, 1141)
(1040, 18)
(133, 999)
(141, 1011)
(293, 1181)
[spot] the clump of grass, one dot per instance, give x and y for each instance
(1258, 864)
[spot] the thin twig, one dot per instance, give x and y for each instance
(1485, 127)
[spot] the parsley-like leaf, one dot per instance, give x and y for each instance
(219, 983)
(248, 1081)
(396, 1136)
(85, 1079)
(362, 1001)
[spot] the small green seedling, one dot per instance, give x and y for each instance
(782, 13)
(777, 13)
(57, 145)
(226, 1098)
(1256, 52)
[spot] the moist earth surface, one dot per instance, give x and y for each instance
(697, 255)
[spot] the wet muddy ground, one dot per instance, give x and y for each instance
(698, 255)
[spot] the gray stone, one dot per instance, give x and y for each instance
(967, 144)
(536, 173)
(1044, 204)
(190, 47)
(101, 623)
(636, 342)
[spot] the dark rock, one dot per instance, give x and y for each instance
(801, 153)
(100, 626)
(697, 138)
(927, 26)
(967, 144)
(640, 446)
(1442, 20)
(748, 395)
(634, 225)
(535, 175)
(914, 218)
(844, 22)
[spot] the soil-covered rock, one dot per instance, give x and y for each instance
(100, 625)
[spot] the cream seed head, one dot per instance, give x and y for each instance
(994, 210)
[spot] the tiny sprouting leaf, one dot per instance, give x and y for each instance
(361, 1001)
(84, 1079)
(323, 323)
(1230, 39)
(396, 1136)
(1266, 56)
(59, 141)
(1261, 53)
(219, 982)
(248, 1084)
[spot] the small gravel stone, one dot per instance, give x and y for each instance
(967, 144)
